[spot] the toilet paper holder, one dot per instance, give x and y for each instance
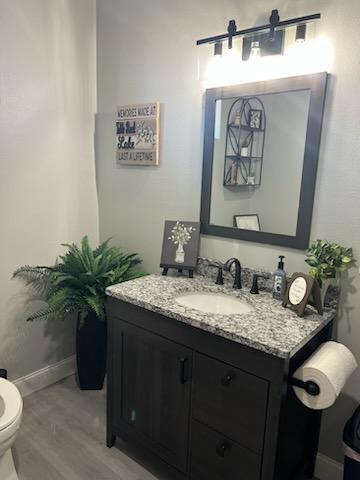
(310, 387)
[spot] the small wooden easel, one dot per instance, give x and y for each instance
(180, 270)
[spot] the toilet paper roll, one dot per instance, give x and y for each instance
(329, 367)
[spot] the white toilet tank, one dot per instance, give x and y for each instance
(11, 407)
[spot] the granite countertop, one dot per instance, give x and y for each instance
(268, 327)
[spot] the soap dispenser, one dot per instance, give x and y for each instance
(279, 278)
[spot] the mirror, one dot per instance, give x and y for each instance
(260, 159)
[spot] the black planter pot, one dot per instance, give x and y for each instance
(91, 353)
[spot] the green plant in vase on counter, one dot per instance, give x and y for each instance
(327, 260)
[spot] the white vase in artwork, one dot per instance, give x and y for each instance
(180, 235)
(180, 254)
(251, 180)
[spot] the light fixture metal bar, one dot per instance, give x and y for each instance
(248, 31)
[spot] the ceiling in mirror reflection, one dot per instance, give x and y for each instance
(259, 145)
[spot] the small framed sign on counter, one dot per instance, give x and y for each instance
(301, 290)
(137, 134)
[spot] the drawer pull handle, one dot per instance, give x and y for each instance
(221, 448)
(226, 379)
(183, 378)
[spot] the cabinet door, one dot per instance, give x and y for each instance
(156, 387)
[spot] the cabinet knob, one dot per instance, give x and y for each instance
(222, 447)
(226, 379)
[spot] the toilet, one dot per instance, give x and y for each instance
(11, 406)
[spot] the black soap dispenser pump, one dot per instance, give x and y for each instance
(279, 280)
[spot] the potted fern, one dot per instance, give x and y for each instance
(327, 260)
(76, 285)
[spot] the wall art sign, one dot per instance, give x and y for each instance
(137, 134)
(180, 248)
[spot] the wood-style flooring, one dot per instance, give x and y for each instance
(62, 437)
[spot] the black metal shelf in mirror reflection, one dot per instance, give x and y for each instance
(244, 147)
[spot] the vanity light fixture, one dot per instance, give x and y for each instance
(231, 32)
(269, 36)
(301, 33)
(274, 21)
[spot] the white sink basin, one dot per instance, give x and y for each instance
(214, 303)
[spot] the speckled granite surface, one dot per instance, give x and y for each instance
(268, 327)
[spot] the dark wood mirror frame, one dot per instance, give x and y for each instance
(316, 83)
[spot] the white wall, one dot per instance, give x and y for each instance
(47, 172)
(147, 52)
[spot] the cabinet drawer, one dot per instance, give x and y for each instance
(214, 457)
(230, 401)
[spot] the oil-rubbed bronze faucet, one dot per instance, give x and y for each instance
(228, 265)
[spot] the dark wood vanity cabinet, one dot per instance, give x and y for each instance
(203, 407)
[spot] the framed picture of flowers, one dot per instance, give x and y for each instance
(180, 247)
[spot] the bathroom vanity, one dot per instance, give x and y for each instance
(207, 396)
(202, 386)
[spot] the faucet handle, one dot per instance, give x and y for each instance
(255, 286)
(216, 264)
(219, 266)
(219, 278)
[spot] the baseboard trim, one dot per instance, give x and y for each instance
(328, 469)
(46, 376)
